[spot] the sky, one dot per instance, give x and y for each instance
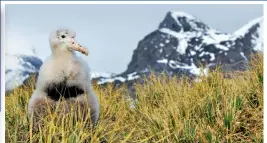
(110, 32)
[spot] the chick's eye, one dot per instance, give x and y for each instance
(63, 36)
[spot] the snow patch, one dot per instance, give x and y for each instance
(192, 53)
(182, 46)
(212, 56)
(221, 47)
(102, 81)
(100, 74)
(132, 76)
(163, 61)
(243, 30)
(182, 14)
(243, 55)
(182, 38)
(201, 54)
(193, 69)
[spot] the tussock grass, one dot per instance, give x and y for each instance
(217, 109)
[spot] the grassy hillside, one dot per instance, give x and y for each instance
(213, 110)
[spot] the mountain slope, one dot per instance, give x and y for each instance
(18, 68)
(182, 45)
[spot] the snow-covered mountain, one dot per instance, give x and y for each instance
(18, 67)
(182, 44)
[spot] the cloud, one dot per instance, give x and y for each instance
(17, 43)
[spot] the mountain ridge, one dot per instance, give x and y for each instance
(181, 41)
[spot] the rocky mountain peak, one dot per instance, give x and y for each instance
(182, 22)
(184, 45)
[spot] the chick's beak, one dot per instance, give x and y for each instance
(77, 47)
